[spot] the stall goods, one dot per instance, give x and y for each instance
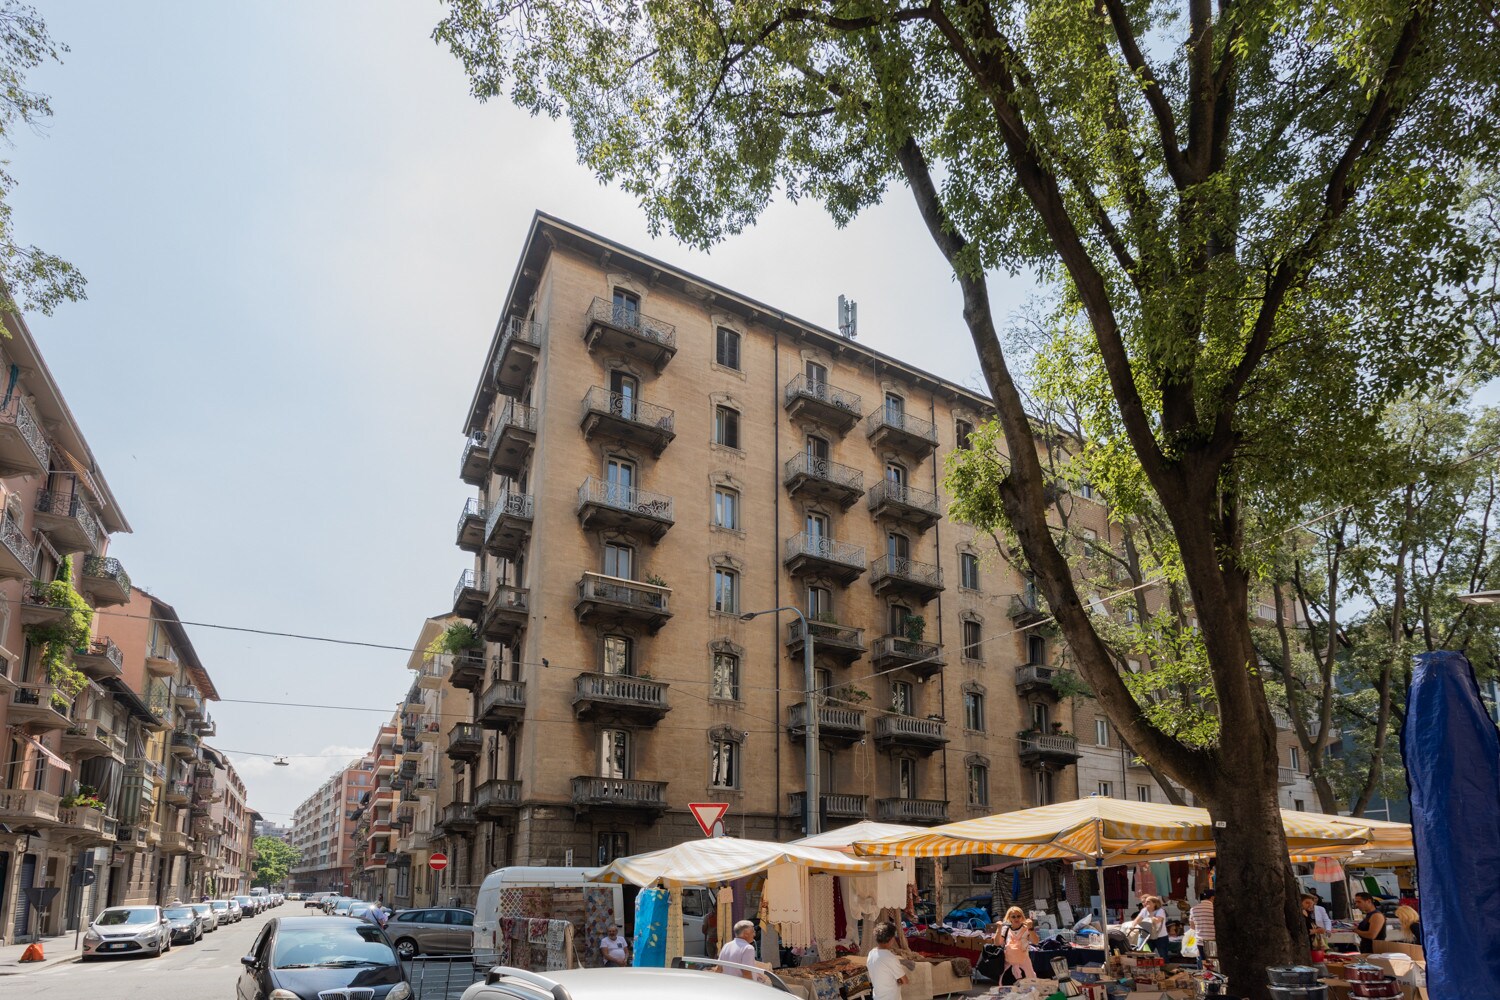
(1292, 975)
(1318, 992)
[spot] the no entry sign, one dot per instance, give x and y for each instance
(437, 862)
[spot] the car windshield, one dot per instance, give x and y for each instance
(138, 915)
(343, 943)
(201, 907)
(219, 905)
(178, 912)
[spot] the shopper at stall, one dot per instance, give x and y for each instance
(1014, 937)
(1153, 921)
(1201, 917)
(887, 974)
(1318, 921)
(1411, 923)
(1372, 927)
(613, 947)
(740, 949)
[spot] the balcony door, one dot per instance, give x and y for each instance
(817, 454)
(901, 697)
(619, 561)
(619, 477)
(895, 409)
(627, 308)
(618, 657)
(819, 603)
(614, 754)
(817, 377)
(624, 390)
(895, 474)
(898, 547)
(906, 778)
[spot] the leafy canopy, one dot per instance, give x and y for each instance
(274, 858)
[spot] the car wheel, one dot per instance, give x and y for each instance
(406, 949)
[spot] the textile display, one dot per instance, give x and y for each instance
(1070, 887)
(1451, 749)
(598, 913)
(725, 920)
(787, 889)
(1145, 881)
(511, 904)
(651, 908)
(1116, 887)
(534, 944)
(1161, 877)
(1328, 870)
(1179, 878)
(820, 905)
(840, 915)
(1041, 883)
(890, 890)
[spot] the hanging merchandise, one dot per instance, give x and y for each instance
(1145, 881)
(1161, 876)
(787, 887)
(1328, 870)
(651, 907)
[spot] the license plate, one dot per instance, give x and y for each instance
(113, 947)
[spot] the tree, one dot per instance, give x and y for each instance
(1255, 208)
(274, 858)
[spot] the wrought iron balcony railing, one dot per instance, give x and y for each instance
(823, 547)
(107, 568)
(69, 504)
(625, 498)
(625, 318)
(17, 412)
(825, 470)
(823, 392)
(889, 492)
(629, 407)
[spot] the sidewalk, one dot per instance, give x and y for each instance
(57, 949)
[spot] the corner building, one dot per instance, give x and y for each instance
(655, 455)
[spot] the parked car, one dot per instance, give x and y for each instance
(294, 897)
(303, 957)
(502, 983)
(314, 899)
(332, 900)
(206, 913)
(433, 931)
(226, 911)
(127, 930)
(185, 924)
(343, 905)
(248, 904)
(360, 910)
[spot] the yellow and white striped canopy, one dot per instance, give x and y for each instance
(715, 860)
(845, 837)
(1101, 830)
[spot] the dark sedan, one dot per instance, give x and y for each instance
(304, 956)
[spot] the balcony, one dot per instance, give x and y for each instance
(185, 744)
(822, 479)
(892, 651)
(178, 793)
(506, 613)
(425, 785)
(1026, 609)
(509, 524)
(502, 705)
(911, 810)
(430, 674)
(819, 555)
(465, 741)
(39, 606)
(904, 504)
(467, 669)
(835, 725)
(1036, 678)
(175, 842)
(627, 418)
(649, 797)
(105, 580)
(497, 798)
(83, 825)
(161, 662)
(469, 594)
(474, 463)
(608, 600)
(130, 839)
(159, 704)
(604, 504)
(100, 659)
(23, 444)
(24, 807)
(889, 427)
(830, 639)
(83, 740)
(827, 404)
(619, 697)
(520, 349)
(67, 521)
(17, 551)
(1288, 776)
(469, 535)
(512, 438)
(187, 698)
(898, 576)
(906, 732)
(457, 817)
(40, 707)
(1049, 751)
(834, 806)
(624, 330)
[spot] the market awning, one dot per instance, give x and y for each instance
(54, 758)
(716, 860)
(845, 837)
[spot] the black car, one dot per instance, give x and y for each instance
(306, 955)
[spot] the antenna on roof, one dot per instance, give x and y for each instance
(848, 318)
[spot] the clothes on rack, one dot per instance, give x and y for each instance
(787, 889)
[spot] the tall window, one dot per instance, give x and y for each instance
(619, 478)
(898, 547)
(724, 763)
(979, 785)
(612, 846)
(1105, 789)
(1036, 649)
(727, 351)
(901, 697)
(727, 426)
(1041, 718)
(974, 711)
(627, 308)
(895, 409)
(817, 452)
(968, 571)
(1043, 786)
(1143, 793)
(817, 525)
(617, 655)
(819, 603)
(899, 613)
(1101, 732)
(726, 508)
(895, 474)
(971, 646)
(614, 753)
(726, 678)
(817, 376)
(963, 431)
(1296, 758)
(623, 392)
(619, 560)
(906, 778)
(726, 591)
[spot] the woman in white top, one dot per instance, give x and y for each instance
(1153, 921)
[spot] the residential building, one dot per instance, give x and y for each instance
(323, 829)
(277, 831)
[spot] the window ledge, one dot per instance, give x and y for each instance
(716, 446)
(737, 532)
(738, 373)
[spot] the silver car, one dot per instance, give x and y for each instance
(206, 913)
(127, 930)
(502, 983)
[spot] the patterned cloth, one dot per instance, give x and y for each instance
(1070, 887)
(1145, 882)
(651, 907)
(536, 930)
(598, 914)
(820, 900)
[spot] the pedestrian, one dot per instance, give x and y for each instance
(1201, 917)
(1014, 937)
(1411, 923)
(1149, 925)
(886, 971)
(740, 949)
(613, 947)
(1372, 927)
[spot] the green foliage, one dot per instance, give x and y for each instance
(458, 637)
(915, 627)
(86, 797)
(58, 639)
(273, 861)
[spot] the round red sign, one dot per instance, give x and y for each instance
(437, 862)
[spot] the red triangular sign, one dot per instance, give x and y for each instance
(708, 814)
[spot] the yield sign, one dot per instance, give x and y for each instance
(708, 815)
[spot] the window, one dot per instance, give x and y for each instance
(613, 846)
(1105, 790)
(619, 479)
(898, 547)
(817, 454)
(627, 308)
(727, 348)
(895, 409)
(1043, 786)
(1040, 717)
(614, 753)
(817, 526)
(817, 377)
(726, 591)
(971, 639)
(1090, 540)
(1086, 490)
(895, 474)
(962, 432)
(897, 620)
(623, 389)
(724, 763)
(968, 571)
(1036, 649)
(1143, 793)
(1298, 805)
(1267, 611)
(979, 785)
(1101, 732)
(974, 711)
(617, 655)
(619, 560)
(906, 778)
(901, 697)
(726, 677)
(727, 426)
(726, 508)
(1296, 758)
(819, 603)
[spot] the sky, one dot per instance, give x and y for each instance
(298, 228)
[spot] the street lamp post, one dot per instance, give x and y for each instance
(811, 799)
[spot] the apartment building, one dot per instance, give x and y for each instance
(230, 813)
(323, 829)
(655, 457)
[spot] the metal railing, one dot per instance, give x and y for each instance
(900, 647)
(825, 470)
(823, 392)
(900, 420)
(615, 590)
(472, 509)
(625, 791)
(106, 648)
(627, 498)
(447, 977)
(620, 688)
(634, 321)
(68, 504)
(908, 727)
(18, 412)
(823, 547)
(475, 441)
(628, 407)
(826, 632)
(905, 568)
(890, 491)
(509, 504)
(39, 694)
(468, 580)
(107, 568)
(517, 331)
(829, 718)
(15, 539)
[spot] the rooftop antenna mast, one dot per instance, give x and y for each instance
(848, 318)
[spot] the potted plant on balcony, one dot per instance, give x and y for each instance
(847, 695)
(86, 797)
(458, 637)
(915, 626)
(57, 639)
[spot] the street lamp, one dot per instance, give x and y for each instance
(1480, 597)
(811, 799)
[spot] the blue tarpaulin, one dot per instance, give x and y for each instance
(1452, 754)
(651, 908)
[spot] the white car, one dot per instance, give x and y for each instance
(127, 930)
(503, 983)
